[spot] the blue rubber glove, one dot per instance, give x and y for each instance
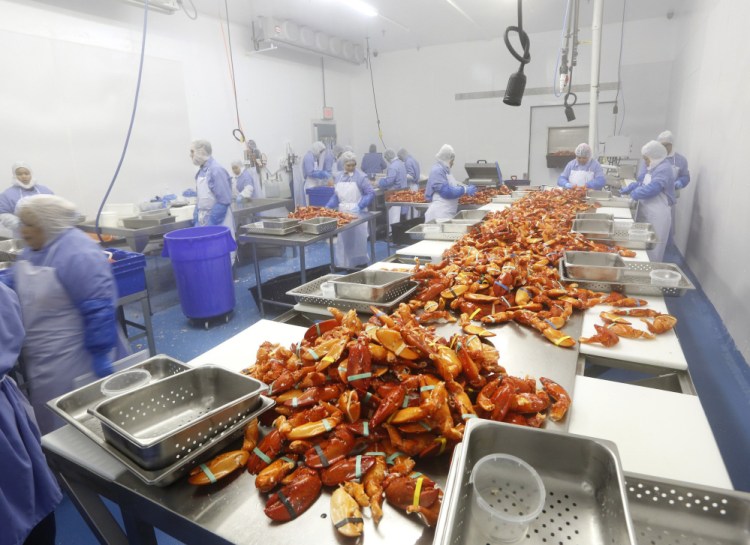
(471, 190)
(217, 214)
(626, 190)
(568, 186)
(678, 185)
(102, 364)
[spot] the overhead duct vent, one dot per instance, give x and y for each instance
(270, 34)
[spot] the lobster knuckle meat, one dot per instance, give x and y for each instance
(345, 513)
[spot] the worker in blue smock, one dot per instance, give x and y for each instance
(28, 490)
(24, 185)
(68, 294)
(340, 161)
(246, 184)
(373, 162)
(442, 188)
(395, 179)
(413, 171)
(677, 161)
(353, 194)
(214, 188)
(582, 171)
(312, 174)
(655, 195)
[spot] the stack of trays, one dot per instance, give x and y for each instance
(586, 501)
(202, 410)
(384, 290)
(636, 236)
(11, 249)
(273, 226)
(601, 271)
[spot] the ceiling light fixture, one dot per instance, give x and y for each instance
(362, 7)
(462, 12)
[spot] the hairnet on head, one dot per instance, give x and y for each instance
(665, 137)
(318, 147)
(446, 153)
(202, 145)
(403, 154)
(654, 150)
(373, 148)
(238, 164)
(348, 157)
(584, 150)
(52, 213)
(348, 148)
(337, 150)
(389, 155)
(16, 166)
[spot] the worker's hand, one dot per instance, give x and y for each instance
(471, 190)
(628, 189)
(678, 185)
(568, 186)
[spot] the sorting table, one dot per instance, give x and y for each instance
(137, 239)
(300, 240)
(245, 210)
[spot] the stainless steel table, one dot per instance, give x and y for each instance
(137, 239)
(300, 240)
(146, 329)
(245, 210)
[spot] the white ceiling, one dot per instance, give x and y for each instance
(404, 24)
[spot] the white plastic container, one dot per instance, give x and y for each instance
(125, 382)
(328, 289)
(182, 212)
(507, 495)
(665, 278)
(638, 233)
(109, 219)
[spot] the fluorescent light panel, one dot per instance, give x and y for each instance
(362, 7)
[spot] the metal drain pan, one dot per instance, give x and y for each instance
(586, 500)
(676, 513)
(153, 423)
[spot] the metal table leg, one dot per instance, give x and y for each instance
(333, 257)
(146, 309)
(302, 271)
(258, 280)
(371, 223)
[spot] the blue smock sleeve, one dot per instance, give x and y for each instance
(308, 165)
(641, 171)
(6, 203)
(599, 178)
(448, 191)
(243, 180)
(391, 177)
(650, 190)
(220, 184)
(368, 193)
(564, 178)
(683, 175)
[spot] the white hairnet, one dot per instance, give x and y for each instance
(403, 154)
(389, 155)
(584, 150)
(16, 181)
(655, 151)
(665, 137)
(318, 147)
(52, 213)
(201, 151)
(348, 157)
(446, 153)
(348, 148)
(337, 150)
(238, 164)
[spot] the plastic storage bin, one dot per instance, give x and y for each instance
(319, 196)
(202, 269)
(129, 269)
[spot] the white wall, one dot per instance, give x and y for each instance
(421, 112)
(69, 78)
(710, 116)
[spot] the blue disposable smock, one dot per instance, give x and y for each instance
(412, 169)
(395, 176)
(597, 174)
(373, 163)
(679, 168)
(28, 490)
(10, 197)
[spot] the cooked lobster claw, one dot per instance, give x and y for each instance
(218, 468)
(295, 498)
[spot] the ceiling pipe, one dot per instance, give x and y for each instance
(596, 50)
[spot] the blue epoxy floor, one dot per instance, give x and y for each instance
(719, 372)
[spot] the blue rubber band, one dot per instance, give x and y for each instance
(208, 473)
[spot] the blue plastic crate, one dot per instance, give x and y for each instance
(129, 269)
(319, 196)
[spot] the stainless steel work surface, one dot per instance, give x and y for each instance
(89, 227)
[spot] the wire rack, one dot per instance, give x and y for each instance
(635, 280)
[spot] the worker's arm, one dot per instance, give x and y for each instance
(599, 178)
(651, 189)
(368, 193)
(391, 177)
(683, 175)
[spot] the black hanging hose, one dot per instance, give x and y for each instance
(522, 36)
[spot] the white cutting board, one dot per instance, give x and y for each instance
(494, 207)
(388, 266)
(619, 213)
(663, 351)
(239, 352)
(426, 248)
(658, 433)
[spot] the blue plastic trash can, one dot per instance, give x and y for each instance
(202, 269)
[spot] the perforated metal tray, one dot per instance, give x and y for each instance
(311, 294)
(621, 236)
(635, 280)
(154, 424)
(448, 230)
(586, 499)
(258, 229)
(369, 285)
(668, 512)
(593, 227)
(317, 226)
